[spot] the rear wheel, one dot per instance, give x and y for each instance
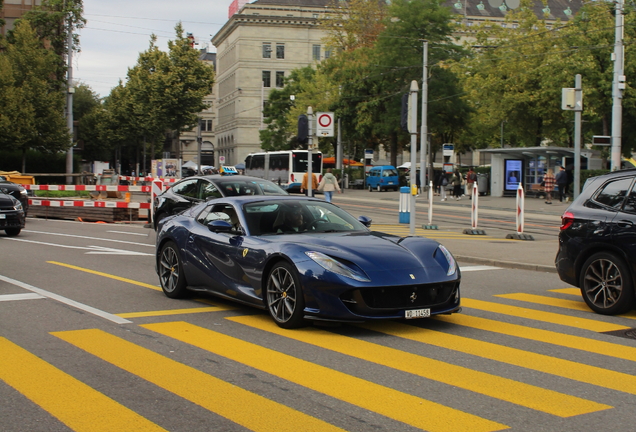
(606, 284)
(284, 296)
(12, 232)
(171, 275)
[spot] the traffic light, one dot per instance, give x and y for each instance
(303, 129)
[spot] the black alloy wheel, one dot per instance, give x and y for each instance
(379, 189)
(171, 275)
(606, 284)
(284, 296)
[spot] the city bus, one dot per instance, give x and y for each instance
(285, 168)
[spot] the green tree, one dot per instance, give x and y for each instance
(32, 107)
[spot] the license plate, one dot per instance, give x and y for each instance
(390, 182)
(417, 313)
(3, 216)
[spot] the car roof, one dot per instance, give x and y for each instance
(218, 178)
(243, 199)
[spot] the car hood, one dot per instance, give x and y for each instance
(371, 251)
(7, 200)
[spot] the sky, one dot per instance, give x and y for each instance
(117, 31)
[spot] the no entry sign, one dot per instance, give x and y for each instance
(324, 124)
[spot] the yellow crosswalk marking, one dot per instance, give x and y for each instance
(571, 291)
(75, 404)
(238, 405)
(546, 336)
(537, 315)
(110, 276)
(505, 389)
(399, 406)
(526, 359)
(171, 312)
(551, 301)
(547, 301)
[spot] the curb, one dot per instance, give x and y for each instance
(506, 264)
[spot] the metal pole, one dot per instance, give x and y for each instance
(310, 144)
(413, 131)
(199, 143)
(617, 87)
(577, 135)
(339, 148)
(69, 103)
(424, 126)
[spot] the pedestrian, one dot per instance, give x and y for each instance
(457, 181)
(443, 182)
(314, 183)
(562, 182)
(471, 178)
(548, 184)
(328, 184)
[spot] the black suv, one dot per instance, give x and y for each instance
(597, 242)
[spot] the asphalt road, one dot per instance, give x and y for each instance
(88, 342)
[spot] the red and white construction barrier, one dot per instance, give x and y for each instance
(86, 203)
(149, 179)
(100, 188)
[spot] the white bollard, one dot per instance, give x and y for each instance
(430, 203)
(474, 207)
(520, 208)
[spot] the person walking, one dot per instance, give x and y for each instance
(443, 182)
(562, 182)
(471, 178)
(548, 183)
(314, 183)
(457, 182)
(328, 184)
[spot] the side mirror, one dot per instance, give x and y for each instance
(219, 226)
(365, 220)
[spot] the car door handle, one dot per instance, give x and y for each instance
(625, 224)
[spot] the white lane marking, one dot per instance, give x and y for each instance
(92, 249)
(67, 301)
(91, 238)
(27, 296)
(128, 233)
(478, 268)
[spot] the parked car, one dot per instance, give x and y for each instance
(12, 216)
(383, 177)
(597, 242)
(194, 190)
(304, 259)
(16, 191)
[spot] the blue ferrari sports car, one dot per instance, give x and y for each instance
(303, 259)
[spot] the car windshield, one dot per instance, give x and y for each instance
(235, 187)
(298, 216)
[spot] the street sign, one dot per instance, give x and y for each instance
(324, 124)
(448, 150)
(221, 160)
(602, 140)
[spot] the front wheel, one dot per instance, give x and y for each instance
(378, 188)
(12, 232)
(606, 284)
(171, 275)
(284, 296)
(370, 188)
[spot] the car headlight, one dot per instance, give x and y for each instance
(337, 267)
(452, 265)
(17, 206)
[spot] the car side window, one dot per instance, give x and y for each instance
(613, 194)
(208, 189)
(186, 188)
(630, 202)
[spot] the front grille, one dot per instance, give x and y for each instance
(385, 299)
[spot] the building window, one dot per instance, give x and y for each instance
(267, 50)
(280, 78)
(314, 15)
(316, 52)
(280, 51)
(206, 125)
(327, 53)
(267, 79)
